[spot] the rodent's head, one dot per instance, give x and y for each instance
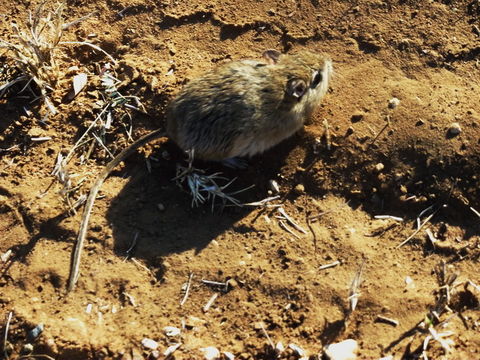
(307, 77)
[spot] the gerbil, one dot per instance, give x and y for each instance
(241, 108)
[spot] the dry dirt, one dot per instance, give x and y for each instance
(382, 161)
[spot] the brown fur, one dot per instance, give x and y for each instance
(243, 108)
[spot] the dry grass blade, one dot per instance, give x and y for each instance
(445, 280)
(61, 173)
(35, 356)
(86, 43)
(475, 211)
(270, 342)
(5, 338)
(6, 86)
(432, 320)
(187, 289)
(115, 105)
(265, 202)
(283, 213)
(204, 188)
(420, 225)
(354, 290)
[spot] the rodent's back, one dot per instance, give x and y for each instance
(241, 108)
(215, 108)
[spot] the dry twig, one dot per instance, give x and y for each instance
(354, 291)
(210, 302)
(282, 212)
(328, 266)
(419, 227)
(5, 338)
(187, 289)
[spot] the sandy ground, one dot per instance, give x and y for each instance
(383, 160)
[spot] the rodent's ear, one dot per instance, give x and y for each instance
(296, 88)
(272, 55)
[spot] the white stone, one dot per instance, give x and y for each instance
(171, 331)
(273, 185)
(150, 344)
(298, 350)
(210, 353)
(344, 350)
(455, 128)
(393, 103)
(229, 355)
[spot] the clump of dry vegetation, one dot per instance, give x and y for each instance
(203, 187)
(34, 53)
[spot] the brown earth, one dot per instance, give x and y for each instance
(394, 161)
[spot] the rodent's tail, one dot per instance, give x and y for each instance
(77, 250)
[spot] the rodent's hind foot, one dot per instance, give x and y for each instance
(235, 163)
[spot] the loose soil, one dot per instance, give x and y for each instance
(375, 160)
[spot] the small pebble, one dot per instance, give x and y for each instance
(154, 355)
(299, 189)
(210, 353)
(273, 185)
(389, 357)
(379, 167)
(344, 350)
(88, 309)
(279, 347)
(356, 117)
(454, 129)
(6, 255)
(150, 344)
(193, 321)
(409, 283)
(161, 207)
(27, 349)
(171, 331)
(171, 349)
(35, 332)
(258, 325)
(297, 349)
(232, 283)
(228, 355)
(393, 103)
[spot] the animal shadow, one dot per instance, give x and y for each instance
(159, 213)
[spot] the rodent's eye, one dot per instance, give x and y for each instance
(317, 78)
(296, 88)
